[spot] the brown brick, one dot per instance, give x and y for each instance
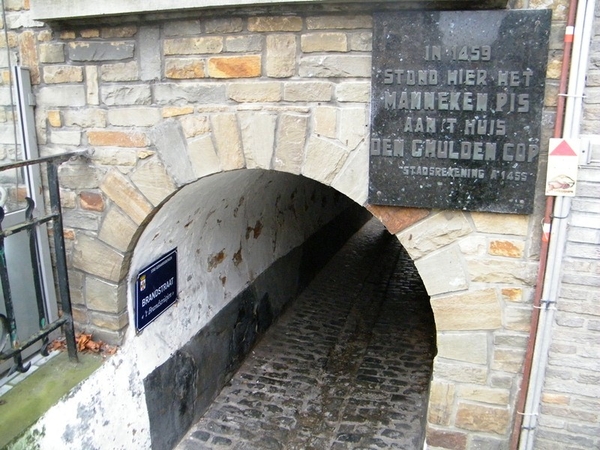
(117, 138)
(184, 68)
(234, 67)
(451, 440)
(397, 218)
(92, 201)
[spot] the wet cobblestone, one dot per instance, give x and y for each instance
(346, 367)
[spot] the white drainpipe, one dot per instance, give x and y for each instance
(558, 237)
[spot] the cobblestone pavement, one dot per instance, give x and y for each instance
(346, 367)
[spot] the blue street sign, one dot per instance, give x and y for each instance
(155, 289)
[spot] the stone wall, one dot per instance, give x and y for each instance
(162, 103)
(570, 404)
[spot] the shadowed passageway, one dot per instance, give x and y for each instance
(346, 367)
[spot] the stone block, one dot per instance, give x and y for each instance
(311, 91)
(117, 230)
(325, 121)
(119, 72)
(91, 201)
(105, 297)
(114, 156)
(360, 41)
(475, 310)
(517, 319)
(111, 322)
(184, 68)
(82, 220)
(335, 66)
(182, 28)
(506, 272)
(100, 51)
(76, 287)
(445, 439)
(107, 138)
(441, 401)
(52, 53)
(443, 272)
(507, 248)
(195, 125)
(57, 96)
(63, 74)
(460, 372)
(117, 94)
(149, 53)
(324, 159)
(193, 45)
(473, 245)
(484, 394)
(124, 194)
(228, 141)
(54, 118)
(435, 232)
(324, 42)
(153, 181)
(28, 55)
(258, 138)
(90, 33)
(189, 93)
(252, 92)
(281, 56)
(235, 66)
(339, 22)
(172, 148)
(68, 199)
(79, 174)
(203, 156)
(125, 31)
(354, 126)
(274, 23)
(468, 347)
(96, 258)
(85, 118)
(174, 111)
(92, 94)
(508, 360)
(65, 137)
(134, 116)
(480, 418)
(226, 25)
(242, 44)
(290, 141)
(501, 223)
(352, 179)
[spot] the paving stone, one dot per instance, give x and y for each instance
(346, 367)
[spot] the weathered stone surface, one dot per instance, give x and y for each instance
(134, 117)
(462, 373)
(354, 126)
(517, 319)
(178, 94)
(182, 27)
(273, 23)
(63, 74)
(228, 25)
(82, 220)
(307, 91)
(194, 45)
(352, 179)
(324, 42)
(339, 22)
(54, 118)
(291, 137)
(174, 111)
(396, 218)
(119, 72)
(94, 257)
(117, 138)
(172, 149)
(258, 137)
(323, 160)
(184, 68)
(76, 287)
(338, 66)
(125, 31)
(92, 94)
(105, 297)
(117, 94)
(497, 271)
(28, 54)
(92, 201)
(52, 53)
(195, 125)
(85, 118)
(153, 181)
(149, 53)
(510, 249)
(444, 439)
(435, 232)
(114, 156)
(112, 322)
(254, 92)
(235, 66)
(325, 121)
(203, 156)
(79, 174)
(124, 194)
(281, 56)
(501, 223)
(117, 230)
(476, 310)
(508, 360)
(56, 96)
(100, 51)
(360, 41)
(482, 418)
(228, 141)
(441, 400)
(484, 394)
(443, 272)
(468, 347)
(241, 44)
(65, 137)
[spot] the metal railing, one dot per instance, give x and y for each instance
(8, 322)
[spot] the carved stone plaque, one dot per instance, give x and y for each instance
(456, 109)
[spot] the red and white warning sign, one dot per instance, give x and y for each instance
(563, 161)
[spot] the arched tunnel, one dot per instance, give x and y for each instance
(306, 324)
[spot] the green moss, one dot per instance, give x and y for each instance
(25, 403)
